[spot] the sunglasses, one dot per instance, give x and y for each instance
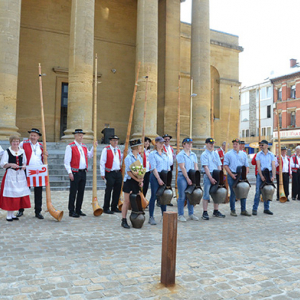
(187, 140)
(167, 140)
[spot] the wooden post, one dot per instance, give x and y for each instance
(169, 246)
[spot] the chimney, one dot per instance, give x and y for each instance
(293, 62)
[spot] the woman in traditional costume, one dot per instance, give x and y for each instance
(14, 192)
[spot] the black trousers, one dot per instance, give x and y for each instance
(296, 185)
(77, 188)
(37, 200)
(285, 181)
(146, 183)
(113, 183)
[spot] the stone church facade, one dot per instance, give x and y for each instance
(64, 35)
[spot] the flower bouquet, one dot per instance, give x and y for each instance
(137, 169)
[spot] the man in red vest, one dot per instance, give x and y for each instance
(286, 172)
(295, 166)
(110, 170)
(34, 156)
(76, 164)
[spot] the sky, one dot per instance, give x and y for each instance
(268, 31)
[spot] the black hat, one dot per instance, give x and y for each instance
(283, 148)
(210, 141)
(78, 131)
(187, 140)
(147, 139)
(166, 135)
(264, 142)
(236, 141)
(35, 131)
(114, 137)
(135, 142)
(242, 142)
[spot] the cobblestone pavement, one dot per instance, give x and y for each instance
(91, 258)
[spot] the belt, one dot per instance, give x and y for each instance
(115, 171)
(81, 170)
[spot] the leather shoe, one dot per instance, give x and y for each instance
(109, 212)
(268, 212)
(170, 204)
(116, 210)
(39, 216)
(82, 214)
(19, 214)
(74, 215)
(124, 223)
(15, 218)
(254, 212)
(9, 220)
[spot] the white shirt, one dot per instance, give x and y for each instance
(147, 152)
(68, 157)
(116, 162)
(1, 151)
(5, 157)
(295, 165)
(285, 167)
(36, 156)
(170, 154)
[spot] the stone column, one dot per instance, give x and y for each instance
(10, 15)
(146, 53)
(81, 59)
(200, 70)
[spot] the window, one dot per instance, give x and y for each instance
(268, 131)
(245, 98)
(245, 115)
(279, 94)
(280, 120)
(263, 131)
(263, 93)
(293, 91)
(269, 92)
(269, 111)
(293, 118)
(247, 133)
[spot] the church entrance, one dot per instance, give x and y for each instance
(64, 108)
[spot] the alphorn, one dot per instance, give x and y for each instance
(282, 197)
(96, 208)
(120, 204)
(57, 214)
(178, 136)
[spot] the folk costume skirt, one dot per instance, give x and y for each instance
(14, 193)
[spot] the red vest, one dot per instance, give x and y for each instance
(165, 149)
(75, 161)
(277, 168)
(28, 151)
(253, 162)
(221, 154)
(110, 158)
(144, 160)
(295, 161)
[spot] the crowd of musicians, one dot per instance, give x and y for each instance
(14, 193)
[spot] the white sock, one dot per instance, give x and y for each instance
(9, 216)
(12, 215)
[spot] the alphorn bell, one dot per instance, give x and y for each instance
(282, 197)
(96, 208)
(56, 214)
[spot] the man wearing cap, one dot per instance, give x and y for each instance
(286, 172)
(265, 159)
(242, 146)
(76, 164)
(210, 161)
(34, 156)
(233, 159)
(110, 170)
(295, 166)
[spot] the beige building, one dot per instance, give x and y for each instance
(64, 35)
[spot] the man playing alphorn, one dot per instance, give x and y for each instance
(265, 159)
(110, 170)
(34, 156)
(233, 159)
(76, 164)
(286, 172)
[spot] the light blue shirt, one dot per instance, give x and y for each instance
(130, 159)
(211, 159)
(234, 159)
(265, 160)
(159, 162)
(188, 160)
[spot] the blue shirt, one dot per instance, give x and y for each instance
(265, 160)
(188, 160)
(234, 159)
(130, 159)
(159, 162)
(211, 159)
